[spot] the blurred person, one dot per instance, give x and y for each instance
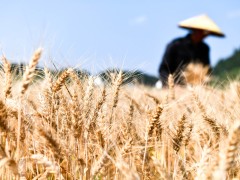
(189, 49)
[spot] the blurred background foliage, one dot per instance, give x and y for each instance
(228, 69)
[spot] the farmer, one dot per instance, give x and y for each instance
(189, 49)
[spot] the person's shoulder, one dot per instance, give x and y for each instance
(178, 39)
(176, 42)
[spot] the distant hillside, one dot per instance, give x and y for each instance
(228, 68)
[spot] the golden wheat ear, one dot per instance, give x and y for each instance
(61, 80)
(178, 138)
(171, 87)
(196, 74)
(228, 160)
(233, 144)
(27, 76)
(8, 78)
(154, 122)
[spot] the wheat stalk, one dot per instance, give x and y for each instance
(27, 77)
(116, 88)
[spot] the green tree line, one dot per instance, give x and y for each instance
(228, 69)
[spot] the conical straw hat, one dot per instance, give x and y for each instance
(202, 22)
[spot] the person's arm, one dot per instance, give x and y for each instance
(168, 63)
(206, 58)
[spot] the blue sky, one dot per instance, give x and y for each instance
(100, 34)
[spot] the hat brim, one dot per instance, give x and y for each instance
(218, 34)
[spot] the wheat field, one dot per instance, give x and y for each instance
(63, 127)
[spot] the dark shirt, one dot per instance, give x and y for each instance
(179, 53)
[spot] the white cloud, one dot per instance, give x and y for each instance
(234, 14)
(140, 19)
